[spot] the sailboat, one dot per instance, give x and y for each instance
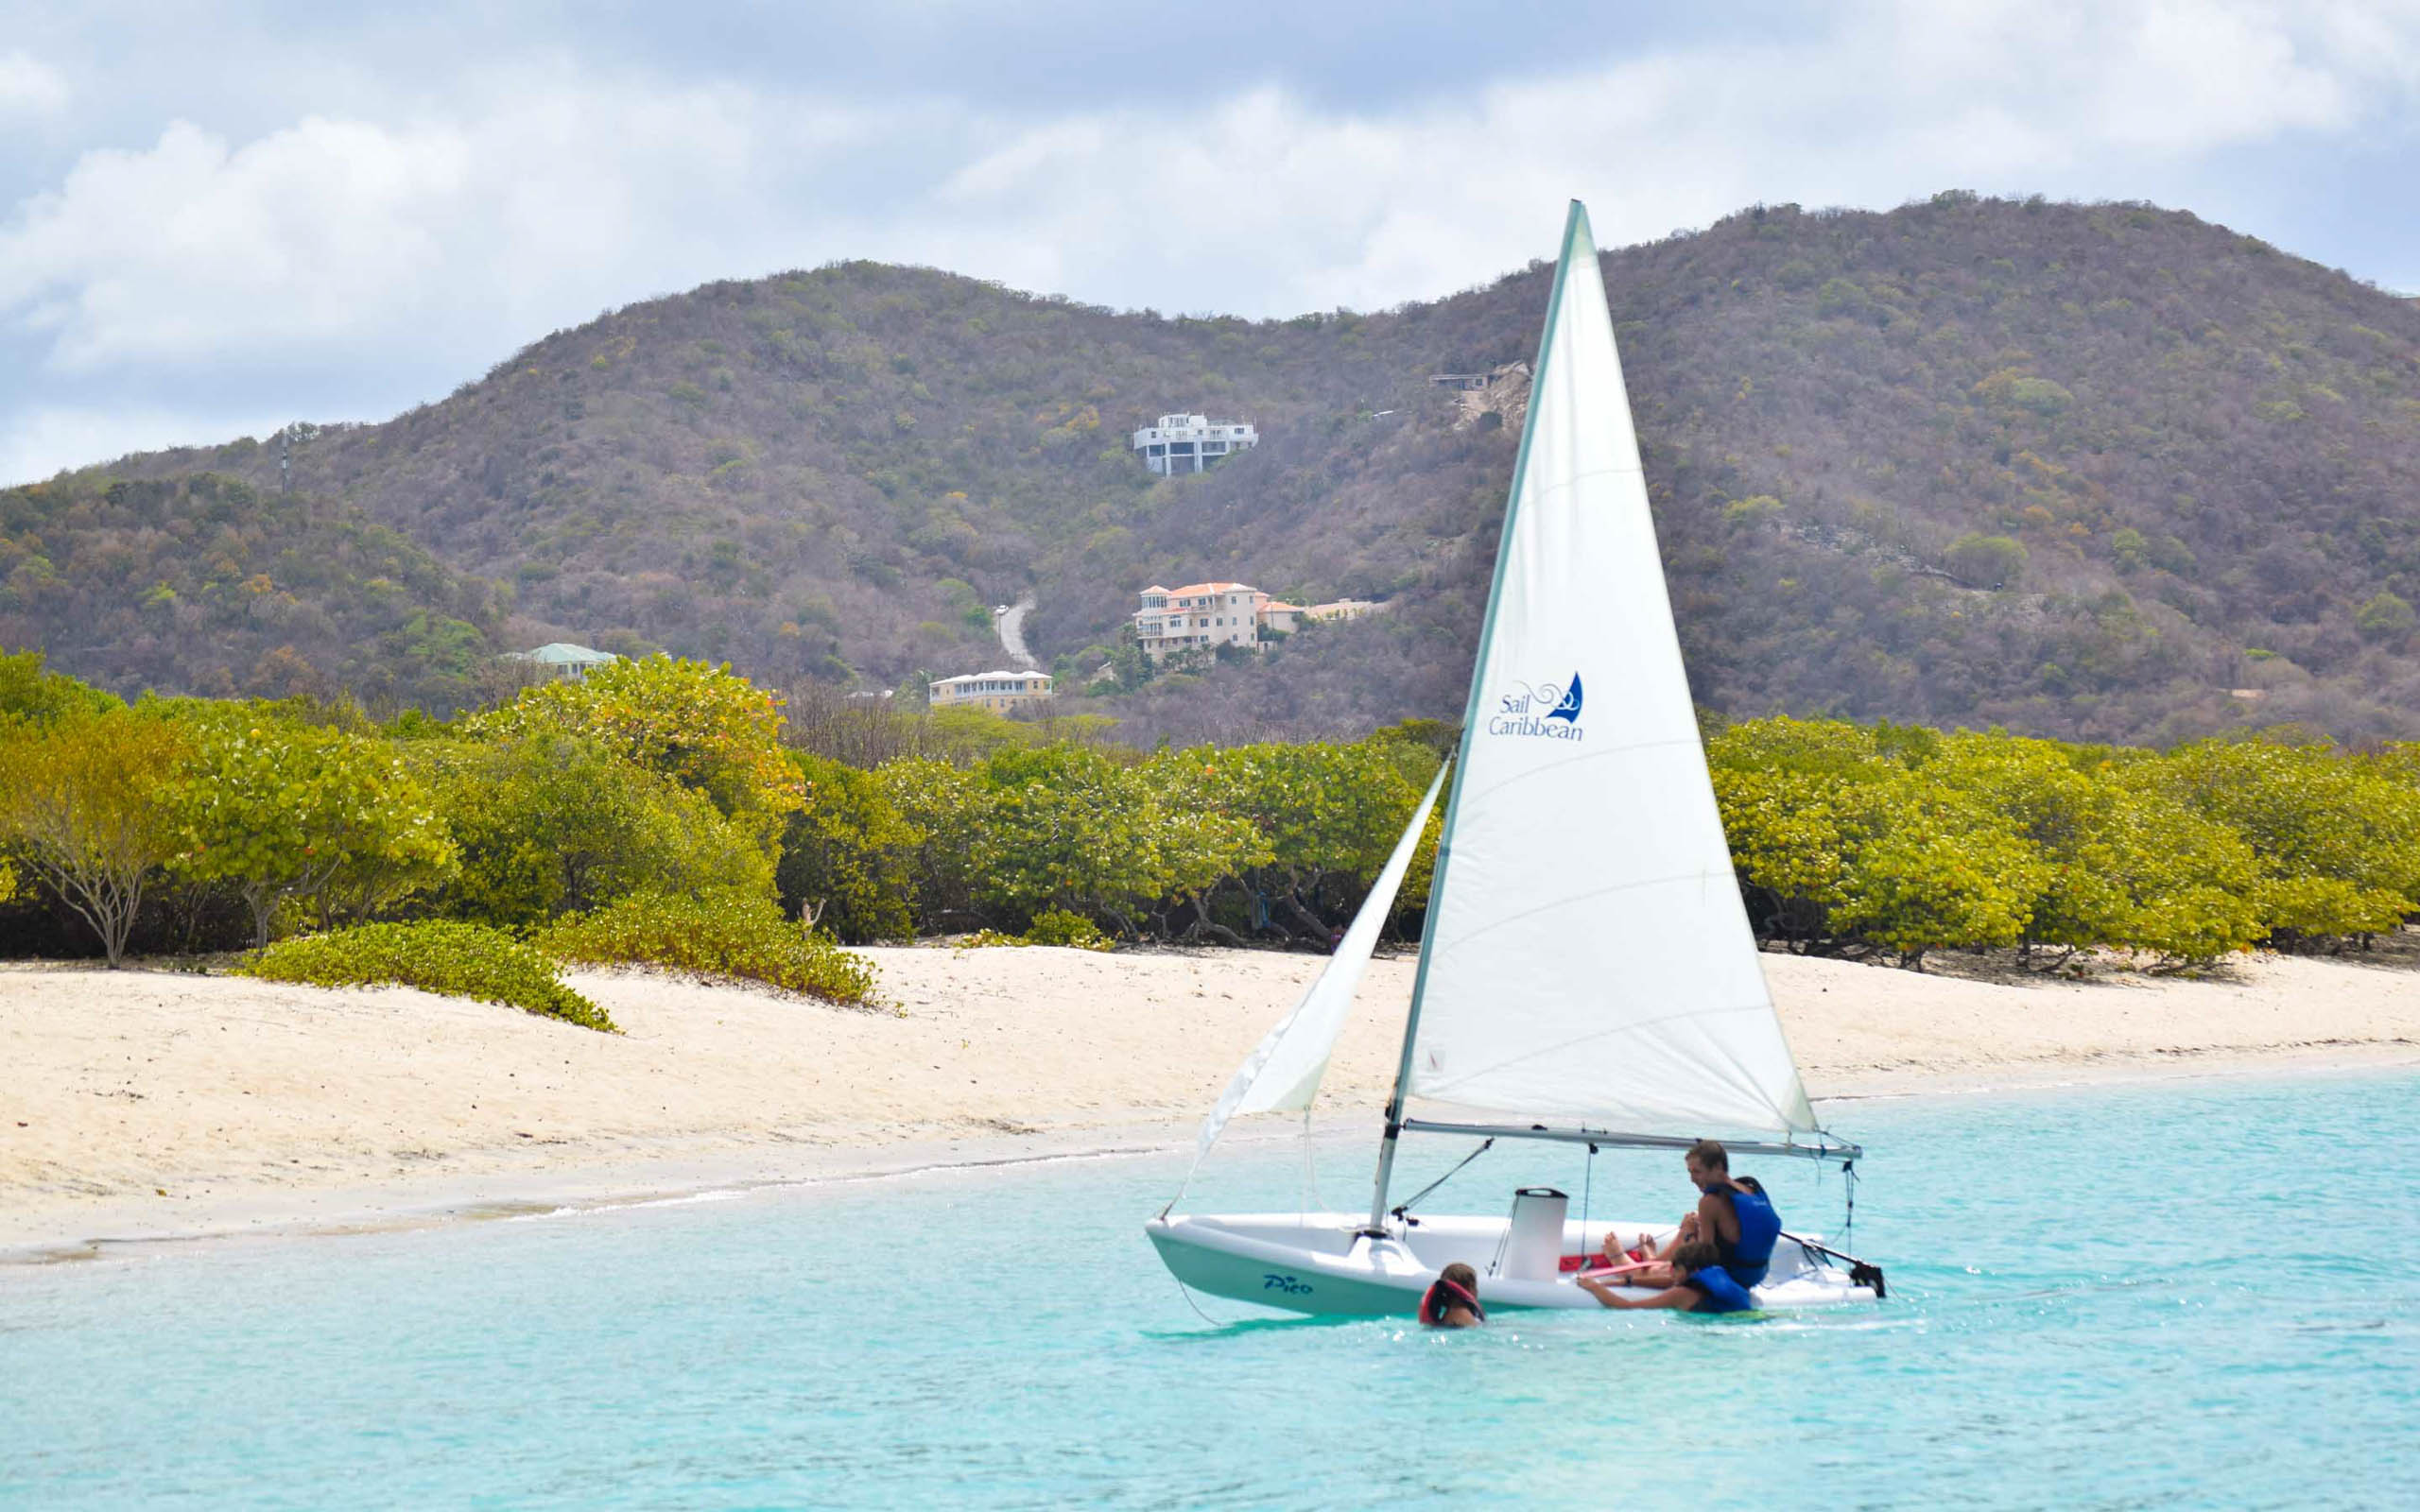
(1587, 975)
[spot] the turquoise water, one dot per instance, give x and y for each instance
(2196, 1293)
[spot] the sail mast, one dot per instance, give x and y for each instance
(1576, 233)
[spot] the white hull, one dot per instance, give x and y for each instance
(1320, 1264)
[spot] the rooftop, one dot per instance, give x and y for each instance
(562, 653)
(983, 676)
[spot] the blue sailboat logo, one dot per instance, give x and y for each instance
(1569, 711)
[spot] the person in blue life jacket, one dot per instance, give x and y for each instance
(1735, 1216)
(1699, 1285)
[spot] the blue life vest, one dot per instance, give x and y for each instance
(1718, 1293)
(1759, 1227)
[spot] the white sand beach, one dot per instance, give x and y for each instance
(146, 1103)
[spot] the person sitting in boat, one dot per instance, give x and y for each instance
(1736, 1216)
(1452, 1301)
(1699, 1285)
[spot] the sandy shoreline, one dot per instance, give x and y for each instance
(141, 1106)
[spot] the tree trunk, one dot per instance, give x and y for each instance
(107, 902)
(1318, 927)
(1203, 924)
(262, 902)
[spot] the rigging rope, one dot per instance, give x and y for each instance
(1588, 1183)
(1186, 1291)
(1310, 1172)
(1401, 1207)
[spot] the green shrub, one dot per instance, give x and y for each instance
(2385, 617)
(1985, 561)
(331, 820)
(438, 955)
(551, 825)
(1056, 926)
(1052, 926)
(2295, 909)
(723, 934)
(849, 858)
(700, 726)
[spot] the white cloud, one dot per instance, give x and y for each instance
(48, 439)
(427, 246)
(30, 86)
(333, 234)
(1268, 206)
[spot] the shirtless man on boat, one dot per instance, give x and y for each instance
(1732, 1216)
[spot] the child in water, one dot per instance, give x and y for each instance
(1700, 1284)
(1452, 1301)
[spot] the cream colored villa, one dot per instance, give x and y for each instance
(1204, 616)
(1198, 617)
(999, 692)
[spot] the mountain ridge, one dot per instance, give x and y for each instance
(2180, 460)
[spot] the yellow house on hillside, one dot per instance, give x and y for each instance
(999, 692)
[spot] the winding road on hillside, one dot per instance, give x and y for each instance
(1012, 623)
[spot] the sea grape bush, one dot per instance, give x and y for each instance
(436, 956)
(554, 823)
(1053, 927)
(657, 815)
(848, 859)
(88, 810)
(283, 810)
(721, 933)
(1056, 926)
(1848, 839)
(700, 726)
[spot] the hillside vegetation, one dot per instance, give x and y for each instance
(2093, 471)
(204, 583)
(673, 814)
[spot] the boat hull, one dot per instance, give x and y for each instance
(1320, 1263)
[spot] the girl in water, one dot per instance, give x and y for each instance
(1452, 1301)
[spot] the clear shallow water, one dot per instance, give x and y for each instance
(2190, 1294)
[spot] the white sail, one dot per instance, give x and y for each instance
(1587, 953)
(1282, 1075)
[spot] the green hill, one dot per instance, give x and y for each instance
(2100, 471)
(200, 582)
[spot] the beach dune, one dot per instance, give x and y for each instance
(143, 1103)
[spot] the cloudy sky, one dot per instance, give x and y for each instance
(216, 218)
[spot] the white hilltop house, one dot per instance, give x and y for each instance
(1189, 443)
(999, 692)
(1204, 616)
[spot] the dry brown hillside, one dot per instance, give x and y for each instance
(2102, 470)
